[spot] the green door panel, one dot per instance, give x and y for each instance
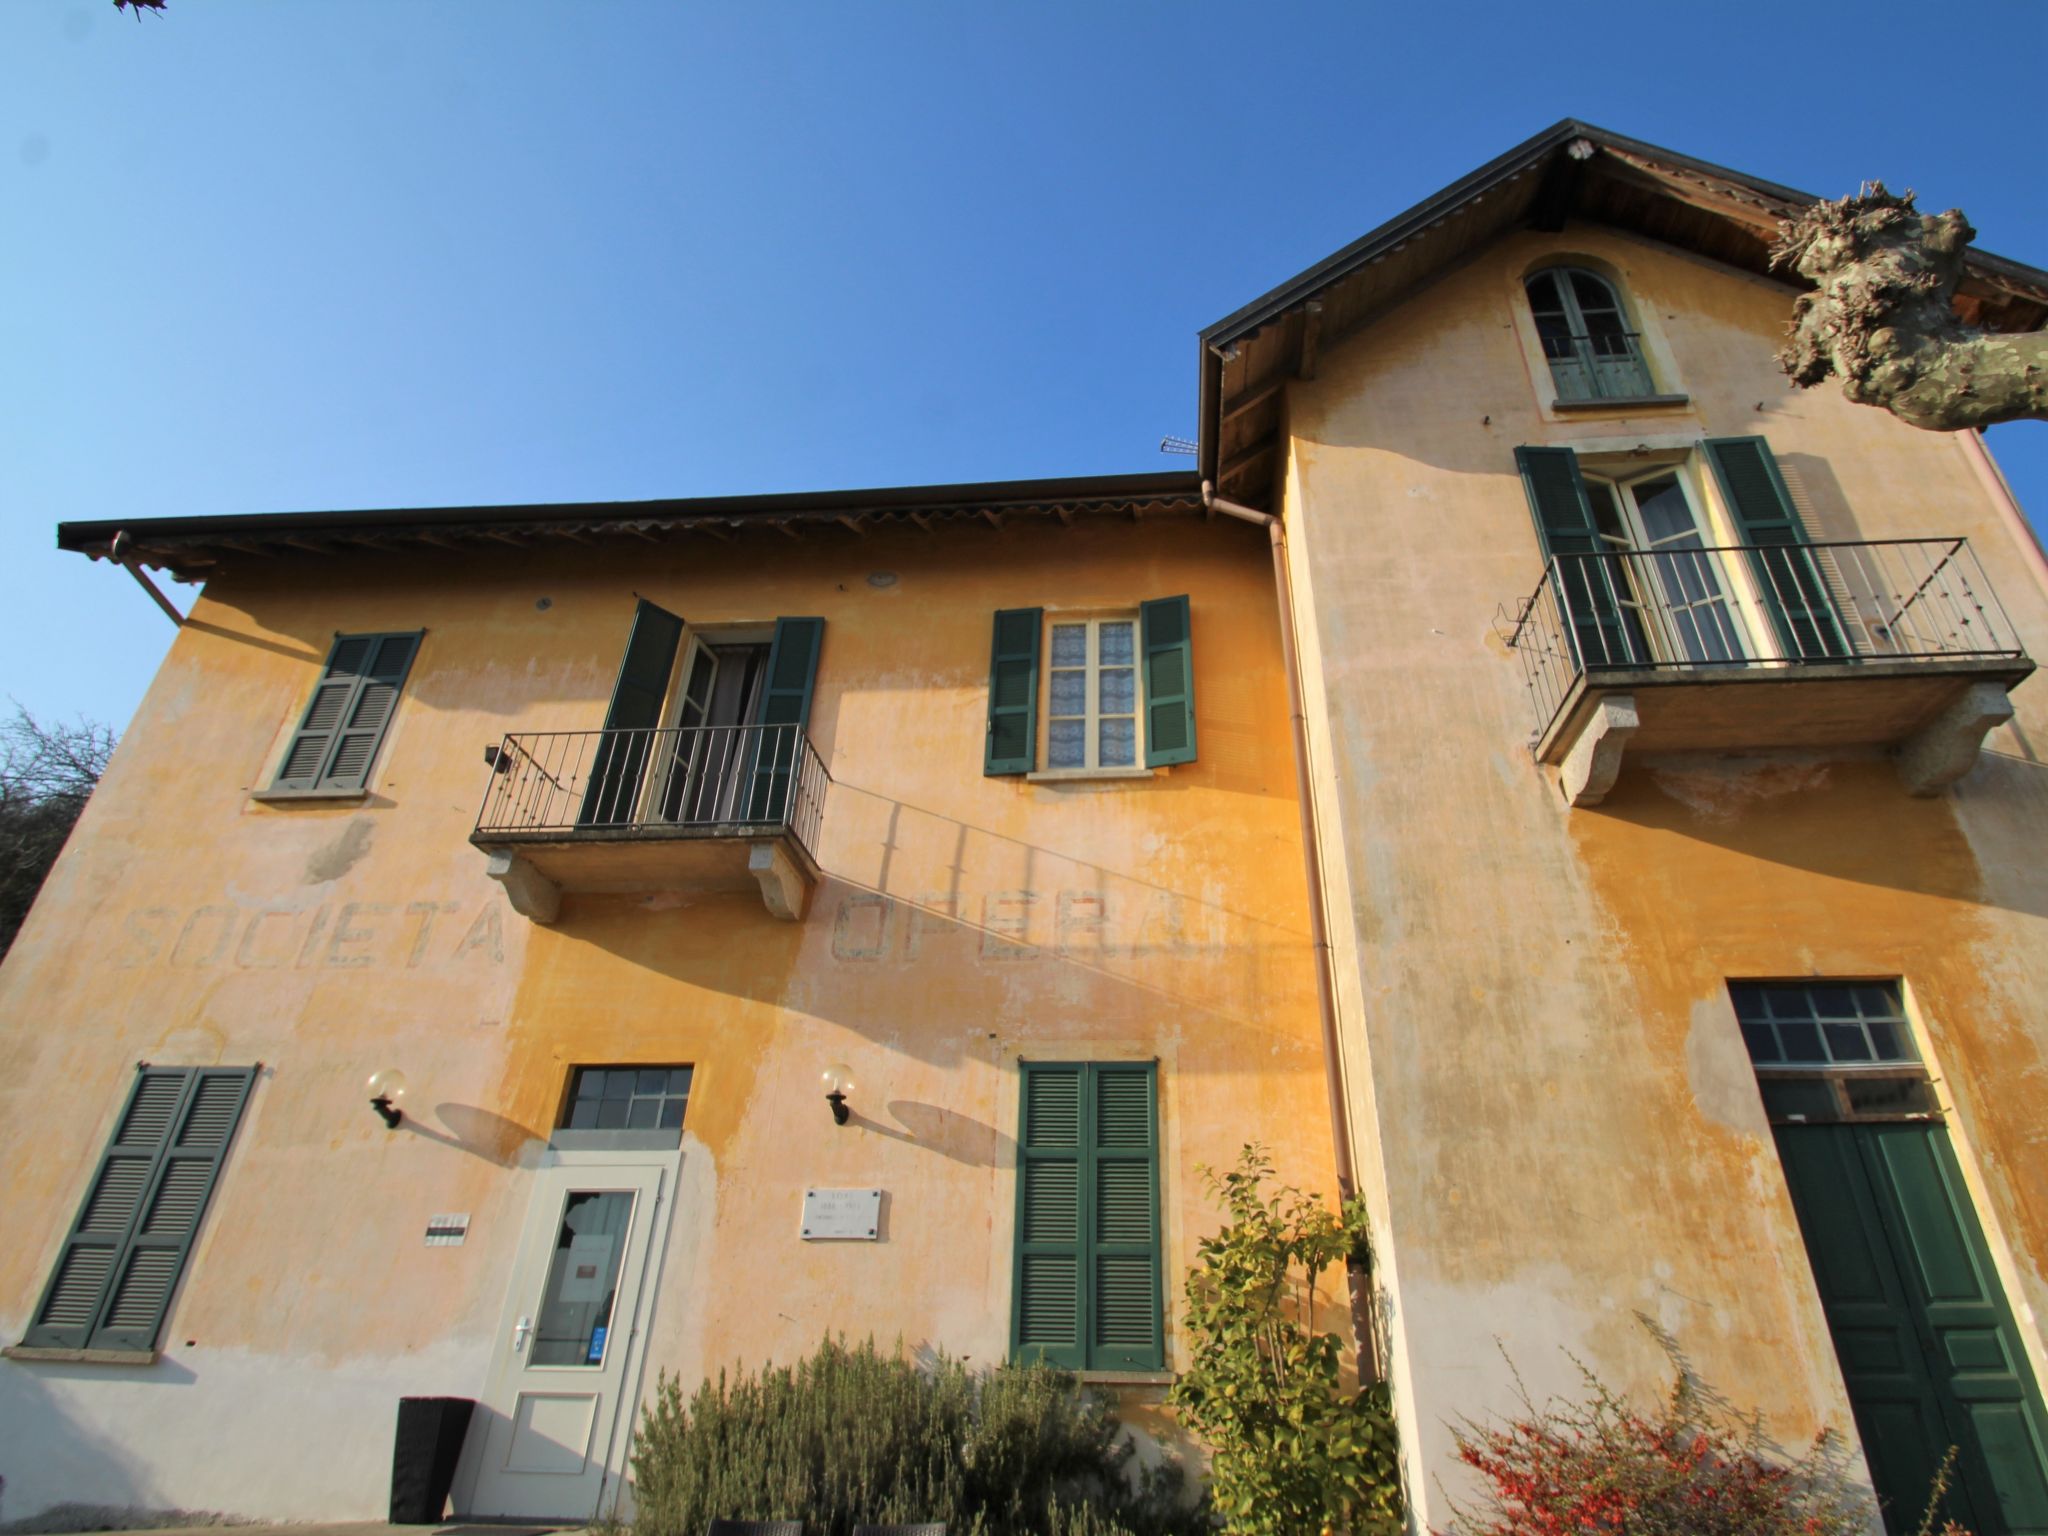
(1928, 1348)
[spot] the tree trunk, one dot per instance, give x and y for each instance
(1882, 317)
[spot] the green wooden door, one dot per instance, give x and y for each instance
(1927, 1344)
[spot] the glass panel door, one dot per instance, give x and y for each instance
(573, 1323)
(1678, 579)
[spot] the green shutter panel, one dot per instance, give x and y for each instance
(1587, 579)
(369, 712)
(352, 704)
(1125, 1301)
(161, 1241)
(612, 792)
(71, 1304)
(1789, 579)
(1013, 692)
(785, 703)
(1047, 1288)
(1169, 681)
(132, 1235)
(313, 743)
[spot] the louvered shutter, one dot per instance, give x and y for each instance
(132, 1235)
(1588, 576)
(1789, 579)
(1124, 1301)
(1169, 681)
(1088, 1272)
(786, 709)
(612, 792)
(369, 713)
(352, 704)
(1012, 745)
(1050, 1168)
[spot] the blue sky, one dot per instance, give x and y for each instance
(341, 253)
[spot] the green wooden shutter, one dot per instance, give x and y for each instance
(1047, 1291)
(1124, 1282)
(1587, 579)
(786, 703)
(1013, 692)
(369, 713)
(132, 1236)
(346, 718)
(1088, 1276)
(1789, 579)
(612, 791)
(1169, 681)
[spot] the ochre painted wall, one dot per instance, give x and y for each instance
(1570, 1153)
(963, 923)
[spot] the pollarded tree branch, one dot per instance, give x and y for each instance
(1882, 317)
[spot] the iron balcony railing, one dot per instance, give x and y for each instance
(708, 780)
(1747, 606)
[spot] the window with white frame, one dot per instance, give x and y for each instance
(1092, 697)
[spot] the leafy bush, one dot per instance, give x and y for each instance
(1292, 1448)
(850, 1435)
(1601, 1466)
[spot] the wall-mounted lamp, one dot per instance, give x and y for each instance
(387, 1088)
(838, 1080)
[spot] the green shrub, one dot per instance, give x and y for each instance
(851, 1435)
(1292, 1449)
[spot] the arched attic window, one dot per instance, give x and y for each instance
(1593, 354)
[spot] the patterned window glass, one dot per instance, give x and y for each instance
(627, 1099)
(1822, 1024)
(1092, 697)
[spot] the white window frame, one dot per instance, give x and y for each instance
(1092, 765)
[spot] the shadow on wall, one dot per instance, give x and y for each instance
(60, 1474)
(927, 948)
(1767, 811)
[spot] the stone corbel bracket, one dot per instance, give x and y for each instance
(785, 886)
(1589, 769)
(531, 893)
(1946, 747)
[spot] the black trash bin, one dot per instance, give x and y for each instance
(423, 1456)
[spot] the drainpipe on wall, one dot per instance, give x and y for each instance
(117, 552)
(1371, 1365)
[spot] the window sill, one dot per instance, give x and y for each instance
(1127, 1378)
(1621, 403)
(35, 1353)
(309, 796)
(1087, 775)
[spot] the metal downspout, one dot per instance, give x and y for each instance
(1311, 849)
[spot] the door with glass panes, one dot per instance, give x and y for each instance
(1931, 1354)
(551, 1434)
(1672, 589)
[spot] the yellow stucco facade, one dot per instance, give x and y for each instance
(1569, 1157)
(961, 923)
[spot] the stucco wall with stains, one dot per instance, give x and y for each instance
(963, 923)
(1560, 1130)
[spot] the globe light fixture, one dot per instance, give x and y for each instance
(838, 1080)
(387, 1088)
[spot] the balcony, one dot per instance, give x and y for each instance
(1891, 643)
(696, 810)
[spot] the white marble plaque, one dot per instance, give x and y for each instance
(845, 1215)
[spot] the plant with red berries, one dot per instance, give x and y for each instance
(1602, 1467)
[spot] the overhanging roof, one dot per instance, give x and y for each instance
(192, 546)
(1571, 170)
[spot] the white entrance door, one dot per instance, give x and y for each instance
(551, 1432)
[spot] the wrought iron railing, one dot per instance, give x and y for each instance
(1748, 606)
(686, 780)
